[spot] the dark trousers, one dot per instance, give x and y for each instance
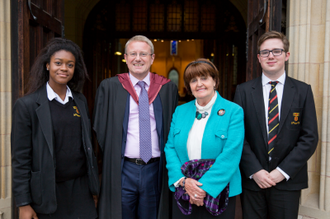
(270, 203)
(140, 195)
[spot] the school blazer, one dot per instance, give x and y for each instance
(296, 139)
(222, 140)
(32, 144)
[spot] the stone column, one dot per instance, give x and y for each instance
(5, 110)
(309, 36)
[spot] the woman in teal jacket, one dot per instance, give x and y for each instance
(209, 127)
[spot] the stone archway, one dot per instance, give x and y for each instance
(76, 13)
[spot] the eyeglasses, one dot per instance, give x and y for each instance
(134, 54)
(276, 52)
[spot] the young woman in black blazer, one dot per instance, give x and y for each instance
(54, 168)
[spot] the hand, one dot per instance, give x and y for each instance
(194, 191)
(27, 212)
(95, 200)
(197, 201)
(276, 176)
(263, 179)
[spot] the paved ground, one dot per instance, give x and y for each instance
(305, 217)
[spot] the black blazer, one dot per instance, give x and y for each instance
(32, 151)
(297, 137)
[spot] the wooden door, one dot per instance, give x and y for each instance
(34, 22)
(263, 16)
(37, 22)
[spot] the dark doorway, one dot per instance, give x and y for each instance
(218, 24)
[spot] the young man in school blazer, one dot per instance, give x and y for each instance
(280, 134)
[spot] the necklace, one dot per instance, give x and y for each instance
(200, 116)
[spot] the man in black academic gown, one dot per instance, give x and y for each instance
(132, 186)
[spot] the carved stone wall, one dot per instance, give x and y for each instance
(5, 110)
(309, 35)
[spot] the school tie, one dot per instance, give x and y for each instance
(144, 124)
(273, 121)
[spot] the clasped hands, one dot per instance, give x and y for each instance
(194, 191)
(266, 180)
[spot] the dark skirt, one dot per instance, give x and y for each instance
(74, 201)
(202, 213)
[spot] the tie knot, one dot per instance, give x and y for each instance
(273, 83)
(141, 84)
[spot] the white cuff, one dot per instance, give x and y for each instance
(283, 173)
(176, 184)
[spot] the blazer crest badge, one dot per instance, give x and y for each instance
(295, 119)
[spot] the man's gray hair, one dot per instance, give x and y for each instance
(140, 38)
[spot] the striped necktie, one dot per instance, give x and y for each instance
(273, 119)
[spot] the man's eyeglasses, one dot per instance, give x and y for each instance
(142, 54)
(276, 52)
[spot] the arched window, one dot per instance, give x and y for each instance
(173, 75)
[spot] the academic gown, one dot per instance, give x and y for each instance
(110, 122)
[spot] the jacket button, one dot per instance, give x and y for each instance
(222, 136)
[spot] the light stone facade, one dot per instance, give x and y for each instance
(309, 35)
(308, 29)
(5, 110)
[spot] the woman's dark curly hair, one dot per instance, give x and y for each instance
(39, 74)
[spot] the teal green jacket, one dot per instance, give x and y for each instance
(222, 140)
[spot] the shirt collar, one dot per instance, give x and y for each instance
(52, 95)
(208, 106)
(265, 80)
(134, 80)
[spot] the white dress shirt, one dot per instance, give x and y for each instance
(132, 149)
(52, 95)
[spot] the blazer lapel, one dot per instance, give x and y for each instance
(185, 125)
(287, 98)
(259, 106)
(212, 125)
(83, 113)
(45, 119)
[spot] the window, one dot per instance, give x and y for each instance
(191, 17)
(208, 18)
(122, 17)
(157, 17)
(173, 75)
(140, 14)
(174, 17)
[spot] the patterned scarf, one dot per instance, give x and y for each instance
(195, 169)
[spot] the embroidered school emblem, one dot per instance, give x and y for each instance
(77, 112)
(295, 116)
(295, 119)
